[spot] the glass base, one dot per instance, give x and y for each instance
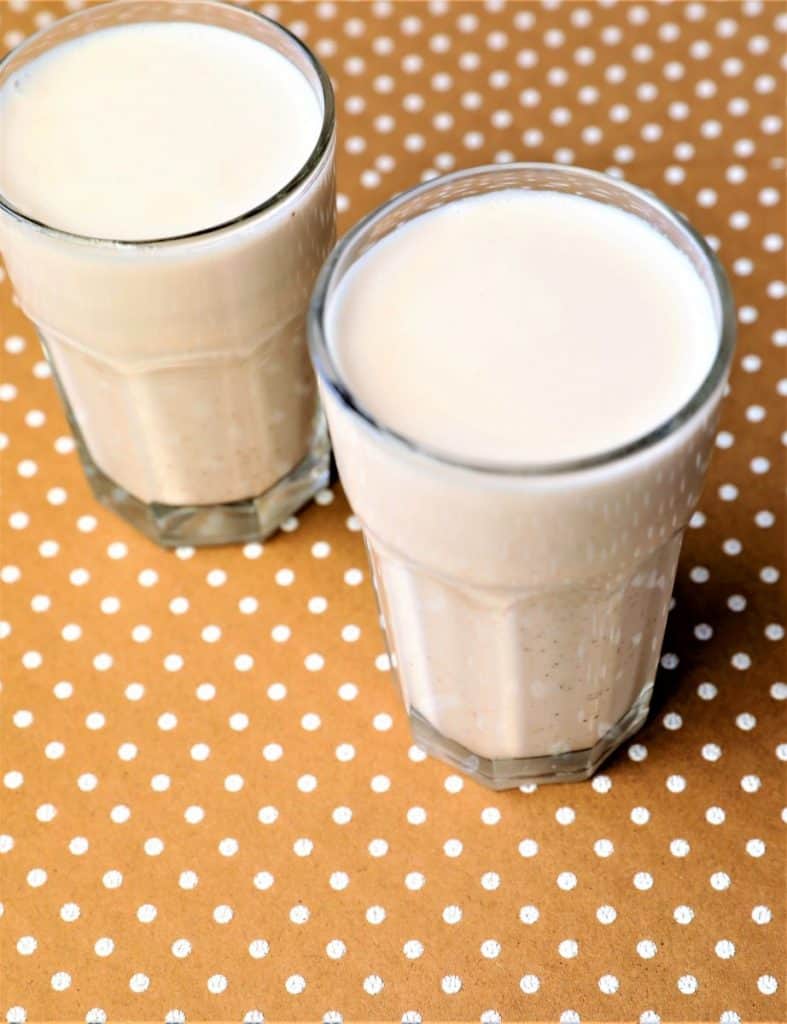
(234, 522)
(508, 773)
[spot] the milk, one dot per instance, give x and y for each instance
(487, 345)
(153, 129)
(184, 362)
(523, 327)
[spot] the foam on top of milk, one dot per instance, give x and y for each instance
(153, 130)
(523, 327)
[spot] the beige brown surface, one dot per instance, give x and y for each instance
(203, 758)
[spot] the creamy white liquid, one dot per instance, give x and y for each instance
(153, 130)
(184, 363)
(523, 327)
(524, 611)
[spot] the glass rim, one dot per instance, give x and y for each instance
(328, 371)
(313, 161)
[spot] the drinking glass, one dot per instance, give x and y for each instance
(524, 606)
(182, 361)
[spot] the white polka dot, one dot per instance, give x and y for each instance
(414, 881)
(608, 984)
(530, 984)
(299, 914)
(27, 945)
(139, 983)
(373, 984)
(720, 881)
(451, 984)
(339, 881)
(46, 813)
(303, 847)
(70, 912)
(181, 948)
(606, 914)
(452, 914)
(767, 984)
(258, 949)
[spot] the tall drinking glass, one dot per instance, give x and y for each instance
(524, 606)
(182, 361)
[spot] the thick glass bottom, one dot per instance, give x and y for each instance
(200, 525)
(234, 522)
(509, 773)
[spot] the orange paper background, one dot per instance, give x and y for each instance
(682, 98)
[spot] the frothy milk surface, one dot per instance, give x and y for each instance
(153, 129)
(522, 327)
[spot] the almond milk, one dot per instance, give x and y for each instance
(183, 360)
(496, 349)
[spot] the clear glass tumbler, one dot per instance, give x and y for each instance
(182, 362)
(524, 607)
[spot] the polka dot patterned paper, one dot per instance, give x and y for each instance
(210, 805)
